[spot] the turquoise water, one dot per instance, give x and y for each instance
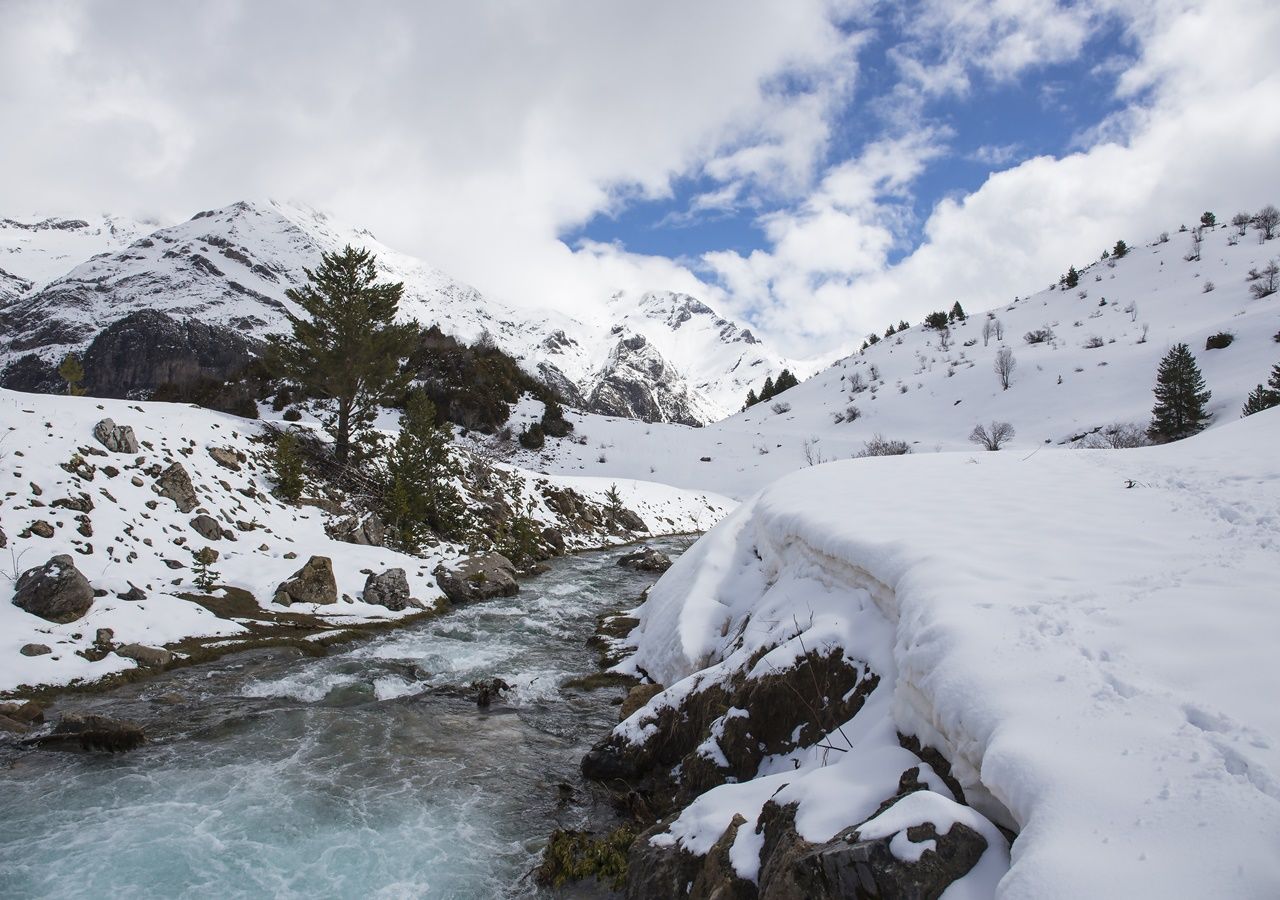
(367, 773)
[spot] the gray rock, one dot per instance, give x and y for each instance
(35, 649)
(104, 637)
(367, 530)
(207, 527)
(175, 484)
(390, 589)
(646, 559)
(41, 528)
(147, 656)
(225, 457)
(116, 438)
(478, 578)
(134, 594)
(4, 541)
(93, 732)
(56, 591)
(313, 583)
(629, 520)
(554, 538)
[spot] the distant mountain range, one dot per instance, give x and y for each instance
(199, 296)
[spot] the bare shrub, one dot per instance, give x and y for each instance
(1120, 436)
(1093, 343)
(781, 407)
(1038, 335)
(1004, 366)
(1266, 282)
(882, 446)
(1266, 221)
(993, 438)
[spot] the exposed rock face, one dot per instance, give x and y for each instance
(479, 578)
(390, 589)
(175, 483)
(116, 438)
(56, 591)
(637, 383)
(367, 530)
(646, 559)
(313, 583)
(628, 520)
(148, 348)
(155, 657)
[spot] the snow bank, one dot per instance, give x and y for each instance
(1088, 636)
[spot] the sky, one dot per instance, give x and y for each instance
(816, 168)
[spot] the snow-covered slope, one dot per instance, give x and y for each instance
(231, 267)
(1089, 638)
(36, 249)
(101, 508)
(909, 388)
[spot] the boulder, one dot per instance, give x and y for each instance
(646, 559)
(146, 656)
(225, 457)
(175, 484)
(116, 438)
(313, 583)
(488, 691)
(56, 591)
(367, 530)
(134, 593)
(628, 520)
(25, 712)
(93, 732)
(390, 589)
(40, 528)
(35, 649)
(552, 537)
(207, 527)
(478, 577)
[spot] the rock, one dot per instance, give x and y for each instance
(552, 537)
(116, 438)
(175, 484)
(672, 871)
(12, 726)
(207, 527)
(488, 691)
(147, 656)
(637, 697)
(4, 541)
(629, 520)
(55, 591)
(134, 594)
(41, 528)
(478, 578)
(225, 457)
(646, 559)
(104, 637)
(313, 583)
(35, 649)
(367, 530)
(81, 503)
(390, 589)
(24, 712)
(93, 732)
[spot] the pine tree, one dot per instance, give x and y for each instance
(286, 461)
(1208, 219)
(1180, 397)
(957, 313)
(1072, 278)
(419, 495)
(785, 382)
(936, 320)
(902, 325)
(1264, 396)
(70, 371)
(766, 392)
(752, 399)
(349, 349)
(1121, 249)
(890, 331)
(872, 339)
(205, 577)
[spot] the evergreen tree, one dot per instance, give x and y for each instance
(349, 349)
(1180, 397)
(890, 331)
(873, 339)
(1208, 219)
(957, 313)
(205, 577)
(936, 320)
(785, 381)
(752, 399)
(766, 392)
(613, 501)
(286, 461)
(1264, 396)
(1072, 278)
(70, 371)
(419, 496)
(902, 325)
(1121, 249)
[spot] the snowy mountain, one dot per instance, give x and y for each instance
(1094, 369)
(658, 356)
(36, 249)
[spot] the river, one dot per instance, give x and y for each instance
(369, 772)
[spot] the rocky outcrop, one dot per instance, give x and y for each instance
(93, 732)
(637, 383)
(207, 527)
(367, 530)
(389, 589)
(56, 591)
(627, 520)
(116, 438)
(313, 583)
(227, 458)
(175, 484)
(478, 577)
(646, 559)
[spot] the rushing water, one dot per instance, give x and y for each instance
(366, 773)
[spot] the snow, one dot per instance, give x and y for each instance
(1096, 660)
(39, 433)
